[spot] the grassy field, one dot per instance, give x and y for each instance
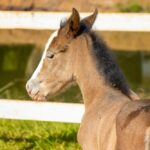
(34, 135)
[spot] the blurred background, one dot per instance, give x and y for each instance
(21, 49)
(81, 5)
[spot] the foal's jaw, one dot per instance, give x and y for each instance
(41, 90)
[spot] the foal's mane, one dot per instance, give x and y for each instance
(107, 65)
(105, 61)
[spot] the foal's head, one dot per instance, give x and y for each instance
(56, 68)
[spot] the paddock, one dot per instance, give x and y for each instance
(60, 112)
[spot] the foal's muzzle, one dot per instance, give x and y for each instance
(33, 89)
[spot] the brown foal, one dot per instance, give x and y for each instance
(112, 120)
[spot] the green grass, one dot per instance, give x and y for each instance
(34, 135)
(131, 7)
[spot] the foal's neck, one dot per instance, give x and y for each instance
(92, 85)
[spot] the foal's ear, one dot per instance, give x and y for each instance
(73, 22)
(89, 21)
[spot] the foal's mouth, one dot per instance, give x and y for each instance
(35, 94)
(38, 97)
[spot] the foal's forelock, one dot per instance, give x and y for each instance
(38, 69)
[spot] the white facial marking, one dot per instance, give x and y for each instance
(53, 35)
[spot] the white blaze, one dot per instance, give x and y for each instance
(44, 55)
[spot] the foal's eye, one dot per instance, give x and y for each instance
(50, 55)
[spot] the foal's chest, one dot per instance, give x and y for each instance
(98, 128)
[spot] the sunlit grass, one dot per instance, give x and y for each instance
(26, 135)
(131, 7)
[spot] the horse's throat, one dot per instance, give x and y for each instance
(92, 86)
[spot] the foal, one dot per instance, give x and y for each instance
(112, 119)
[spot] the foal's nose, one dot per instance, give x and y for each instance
(32, 87)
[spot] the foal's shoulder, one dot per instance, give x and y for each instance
(132, 110)
(136, 106)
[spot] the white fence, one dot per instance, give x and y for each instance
(49, 20)
(42, 111)
(46, 111)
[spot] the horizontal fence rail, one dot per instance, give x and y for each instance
(50, 20)
(41, 111)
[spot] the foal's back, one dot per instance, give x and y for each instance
(133, 126)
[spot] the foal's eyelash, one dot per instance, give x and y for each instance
(51, 55)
